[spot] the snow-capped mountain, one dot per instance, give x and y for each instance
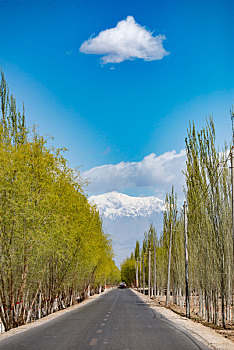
(113, 205)
(126, 219)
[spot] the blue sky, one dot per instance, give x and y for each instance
(119, 112)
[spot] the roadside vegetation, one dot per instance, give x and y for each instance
(209, 238)
(53, 251)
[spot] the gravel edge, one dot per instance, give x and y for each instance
(202, 333)
(50, 317)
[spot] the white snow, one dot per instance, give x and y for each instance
(113, 205)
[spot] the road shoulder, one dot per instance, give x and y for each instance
(204, 334)
(50, 317)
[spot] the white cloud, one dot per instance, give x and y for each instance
(128, 40)
(157, 173)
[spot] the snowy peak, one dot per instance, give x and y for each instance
(113, 205)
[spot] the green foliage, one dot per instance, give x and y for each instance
(209, 221)
(208, 195)
(137, 250)
(52, 243)
(128, 271)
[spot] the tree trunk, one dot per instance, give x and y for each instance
(169, 269)
(149, 277)
(154, 268)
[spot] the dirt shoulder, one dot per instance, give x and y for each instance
(206, 335)
(50, 317)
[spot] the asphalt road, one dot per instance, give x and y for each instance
(116, 320)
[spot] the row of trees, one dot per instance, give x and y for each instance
(209, 241)
(53, 250)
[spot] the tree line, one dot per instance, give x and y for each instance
(53, 250)
(159, 263)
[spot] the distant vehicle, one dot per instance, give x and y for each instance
(122, 285)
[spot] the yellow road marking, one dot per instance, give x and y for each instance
(93, 341)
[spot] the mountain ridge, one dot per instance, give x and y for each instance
(113, 205)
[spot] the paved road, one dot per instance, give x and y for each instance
(116, 320)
